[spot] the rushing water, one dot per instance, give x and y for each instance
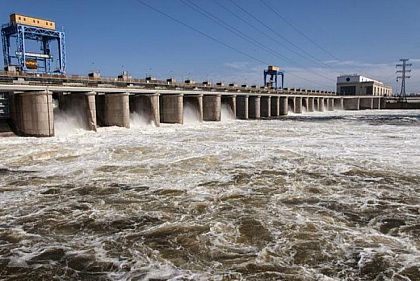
(322, 196)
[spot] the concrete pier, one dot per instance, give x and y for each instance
(310, 104)
(275, 106)
(32, 113)
(298, 105)
(81, 104)
(212, 105)
(116, 111)
(254, 109)
(171, 108)
(366, 103)
(242, 107)
(283, 106)
(147, 106)
(265, 109)
(351, 103)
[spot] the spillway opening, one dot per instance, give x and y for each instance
(141, 111)
(291, 104)
(304, 104)
(228, 108)
(71, 113)
(192, 110)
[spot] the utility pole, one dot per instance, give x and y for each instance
(402, 74)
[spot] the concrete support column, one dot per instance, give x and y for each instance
(254, 110)
(351, 103)
(366, 103)
(32, 113)
(376, 103)
(171, 108)
(330, 104)
(154, 109)
(242, 107)
(275, 106)
(310, 104)
(265, 109)
(321, 104)
(212, 105)
(283, 106)
(298, 105)
(117, 110)
(90, 108)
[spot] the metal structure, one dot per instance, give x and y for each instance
(273, 72)
(17, 39)
(402, 74)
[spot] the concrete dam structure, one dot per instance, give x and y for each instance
(30, 105)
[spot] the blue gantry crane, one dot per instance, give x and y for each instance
(273, 72)
(33, 45)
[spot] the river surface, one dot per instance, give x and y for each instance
(320, 196)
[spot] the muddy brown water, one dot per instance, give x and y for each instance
(325, 196)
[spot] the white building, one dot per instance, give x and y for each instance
(358, 85)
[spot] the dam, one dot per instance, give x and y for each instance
(28, 101)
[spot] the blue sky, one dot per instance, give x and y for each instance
(354, 36)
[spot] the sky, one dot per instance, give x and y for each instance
(234, 40)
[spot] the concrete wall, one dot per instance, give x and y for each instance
(283, 106)
(275, 106)
(32, 114)
(265, 109)
(117, 110)
(254, 109)
(171, 108)
(242, 107)
(212, 107)
(366, 103)
(351, 103)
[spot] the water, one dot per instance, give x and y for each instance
(325, 196)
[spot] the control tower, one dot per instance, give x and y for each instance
(33, 45)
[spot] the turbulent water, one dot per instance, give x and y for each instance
(322, 196)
